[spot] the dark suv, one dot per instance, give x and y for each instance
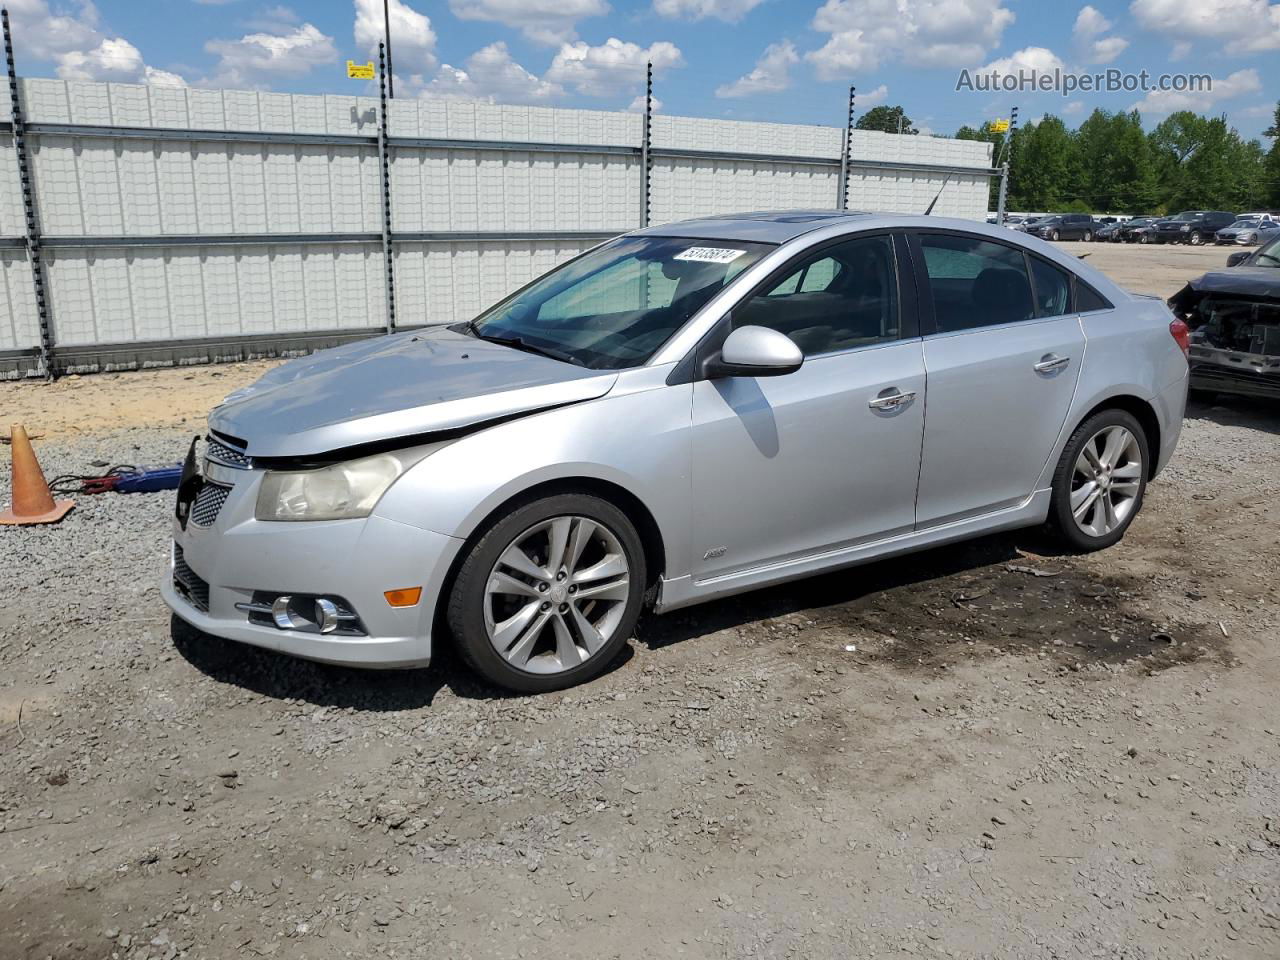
(1193, 226)
(1066, 226)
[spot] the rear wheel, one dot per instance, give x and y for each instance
(548, 594)
(1100, 481)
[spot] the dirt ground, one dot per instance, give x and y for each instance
(985, 750)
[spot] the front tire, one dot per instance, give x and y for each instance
(1100, 481)
(548, 594)
(1195, 239)
(1088, 236)
(1054, 235)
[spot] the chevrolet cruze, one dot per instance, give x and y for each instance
(683, 413)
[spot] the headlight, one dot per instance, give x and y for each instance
(1184, 228)
(341, 491)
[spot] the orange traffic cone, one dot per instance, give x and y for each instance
(32, 501)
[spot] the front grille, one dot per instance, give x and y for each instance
(216, 450)
(208, 503)
(185, 580)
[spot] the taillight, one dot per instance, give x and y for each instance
(1182, 334)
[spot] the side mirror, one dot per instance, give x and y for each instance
(754, 352)
(1237, 258)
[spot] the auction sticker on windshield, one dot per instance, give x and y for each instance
(709, 254)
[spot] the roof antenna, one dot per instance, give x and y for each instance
(945, 181)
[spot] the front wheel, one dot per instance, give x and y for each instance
(1195, 239)
(1054, 235)
(549, 593)
(1088, 236)
(1100, 481)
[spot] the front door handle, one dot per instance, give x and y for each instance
(892, 400)
(1050, 362)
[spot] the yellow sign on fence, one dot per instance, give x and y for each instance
(998, 126)
(360, 71)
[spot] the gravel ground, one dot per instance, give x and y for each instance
(986, 750)
(1026, 755)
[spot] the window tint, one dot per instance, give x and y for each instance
(1053, 288)
(1088, 298)
(975, 283)
(845, 296)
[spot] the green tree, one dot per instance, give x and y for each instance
(1116, 167)
(886, 120)
(1203, 163)
(1271, 169)
(1044, 172)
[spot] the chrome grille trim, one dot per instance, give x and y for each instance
(208, 504)
(228, 456)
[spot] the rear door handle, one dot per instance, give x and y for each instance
(891, 401)
(1049, 362)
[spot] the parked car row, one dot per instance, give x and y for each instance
(1193, 227)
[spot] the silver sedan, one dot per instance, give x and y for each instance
(683, 413)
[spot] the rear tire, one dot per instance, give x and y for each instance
(1100, 481)
(517, 609)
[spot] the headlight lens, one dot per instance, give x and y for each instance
(341, 491)
(1184, 228)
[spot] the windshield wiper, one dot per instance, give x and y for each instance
(520, 344)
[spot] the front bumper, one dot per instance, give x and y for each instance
(238, 556)
(1232, 371)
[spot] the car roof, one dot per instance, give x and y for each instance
(781, 226)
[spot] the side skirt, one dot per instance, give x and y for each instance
(685, 591)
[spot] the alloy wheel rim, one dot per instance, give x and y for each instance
(556, 594)
(1105, 481)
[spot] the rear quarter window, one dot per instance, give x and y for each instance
(1088, 299)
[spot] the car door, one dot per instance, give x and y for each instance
(1002, 358)
(827, 456)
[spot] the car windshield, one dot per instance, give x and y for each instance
(1239, 224)
(1185, 217)
(1269, 255)
(616, 305)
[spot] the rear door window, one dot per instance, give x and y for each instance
(1052, 288)
(974, 282)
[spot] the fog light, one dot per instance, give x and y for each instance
(404, 597)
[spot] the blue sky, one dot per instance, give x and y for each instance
(777, 60)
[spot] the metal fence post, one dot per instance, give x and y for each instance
(29, 208)
(645, 159)
(842, 189)
(1007, 152)
(384, 168)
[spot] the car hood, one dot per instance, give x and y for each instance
(404, 385)
(1255, 283)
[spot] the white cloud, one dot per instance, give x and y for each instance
(1167, 101)
(1090, 23)
(1243, 26)
(936, 33)
(163, 78)
(772, 73)
(1073, 108)
(490, 75)
(76, 46)
(1089, 42)
(257, 58)
(730, 11)
(613, 67)
(637, 105)
(1180, 50)
(548, 22)
(1107, 49)
(1031, 60)
(413, 42)
(872, 97)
